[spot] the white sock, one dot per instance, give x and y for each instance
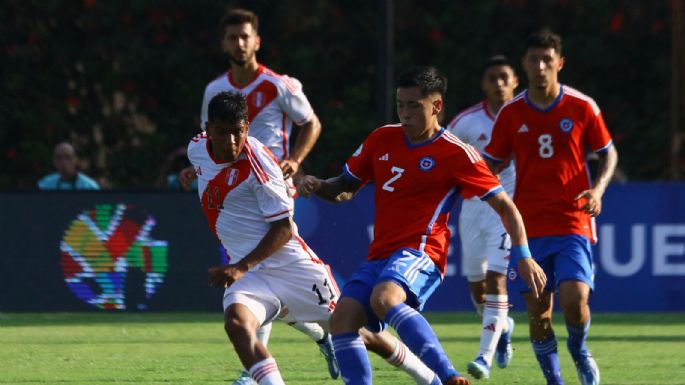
(404, 359)
(312, 329)
(263, 333)
(494, 323)
(265, 372)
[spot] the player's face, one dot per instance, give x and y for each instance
(417, 113)
(227, 138)
(241, 43)
(542, 66)
(499, 83)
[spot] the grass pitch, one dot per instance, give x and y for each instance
(189, 348)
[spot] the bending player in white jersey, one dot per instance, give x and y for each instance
(275, 102)
(248, 206)
(485, 243)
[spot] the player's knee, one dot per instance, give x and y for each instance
(236, 324)
(381, 305)
(386, 296)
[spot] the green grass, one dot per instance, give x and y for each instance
(188, 348)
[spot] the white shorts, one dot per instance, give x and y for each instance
(485, 244)
(306, 288)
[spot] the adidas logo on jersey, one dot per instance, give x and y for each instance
(523, 129)
(385, 157)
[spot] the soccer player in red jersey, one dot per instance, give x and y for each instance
(547, 130)
(419, 170)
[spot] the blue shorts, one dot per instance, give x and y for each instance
(413, 271)
(563, 258)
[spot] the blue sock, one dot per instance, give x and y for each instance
(546, 353)
(417, 334)
(577, 335)
(353, 360)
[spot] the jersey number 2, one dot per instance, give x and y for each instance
(398, 174)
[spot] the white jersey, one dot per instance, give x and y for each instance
(241, 198)
(274, 102)
(474, 126)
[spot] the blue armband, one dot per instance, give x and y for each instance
(520, 251)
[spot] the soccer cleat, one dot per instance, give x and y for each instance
(504, 351)
(588, 372)
(326, 348)
(478, 368)
(244, 379)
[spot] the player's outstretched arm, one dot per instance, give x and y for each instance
(338, 189)
(278, 235)
(306, 138)
(605, 171)
(528, 269)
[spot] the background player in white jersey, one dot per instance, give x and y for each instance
(485, 243)
(248, 206)
(274, 103)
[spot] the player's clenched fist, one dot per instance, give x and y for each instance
(308, 185)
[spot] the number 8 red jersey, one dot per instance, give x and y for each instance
(550, 148)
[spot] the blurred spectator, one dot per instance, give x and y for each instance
(67, 176)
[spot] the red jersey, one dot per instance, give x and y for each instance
(550, 148)
(416, 187)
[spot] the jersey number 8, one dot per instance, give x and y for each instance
(546, 150)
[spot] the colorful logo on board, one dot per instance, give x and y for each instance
(109, 260)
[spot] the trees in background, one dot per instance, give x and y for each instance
(123, 80)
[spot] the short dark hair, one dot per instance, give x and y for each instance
(497, 60)
(228, 107)
(543, 38)
(237, 16)
(427, 78)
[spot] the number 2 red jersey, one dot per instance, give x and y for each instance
(550, 148)
(416, 187)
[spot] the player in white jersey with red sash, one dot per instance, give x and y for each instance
(248, 207)
(275, 102)
(485, 243)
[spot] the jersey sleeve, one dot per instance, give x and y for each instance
(293, 101)
(359, 165)
(474, 177)
(204, 115)
(499, 149)
(269, 186)
(195, 146)
(597, 135)
(458, 127)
